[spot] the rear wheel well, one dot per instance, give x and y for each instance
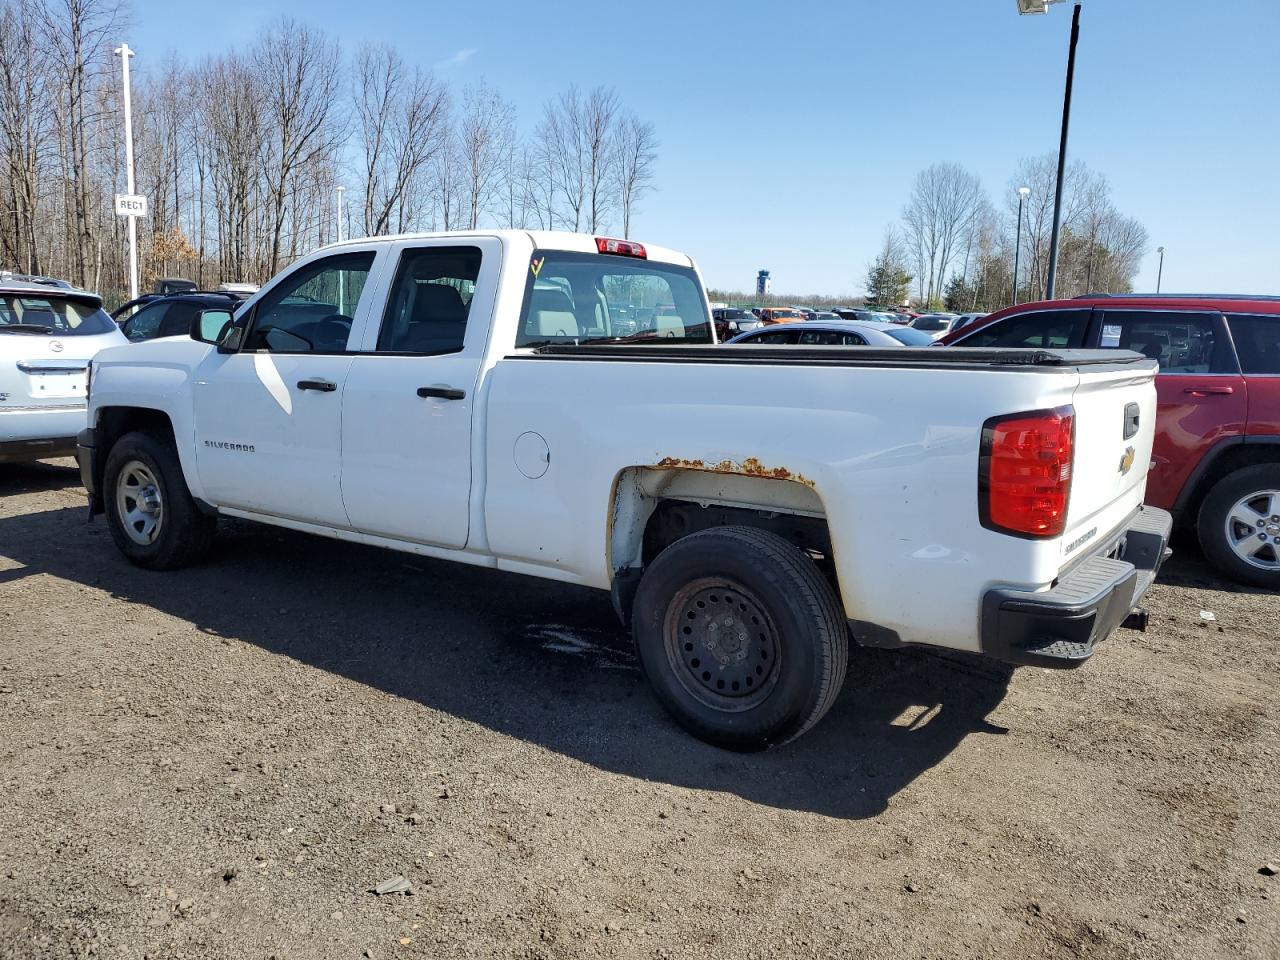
(654, 508)
(1236, 456)
(673, 520)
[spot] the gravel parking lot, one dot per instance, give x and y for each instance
(223, 762)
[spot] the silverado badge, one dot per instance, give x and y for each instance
(1126, 462)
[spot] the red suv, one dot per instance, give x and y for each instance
(1216, 463)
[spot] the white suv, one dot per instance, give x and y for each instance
(48, 334)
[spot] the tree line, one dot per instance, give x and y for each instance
(240, 154)
(956, 249)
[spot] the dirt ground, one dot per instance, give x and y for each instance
(224, 761)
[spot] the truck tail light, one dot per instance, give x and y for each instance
(1024, 472)
(88, 379)
(621, 248)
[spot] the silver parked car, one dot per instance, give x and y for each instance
(836, 333)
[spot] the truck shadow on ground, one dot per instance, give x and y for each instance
(38, 475)
(544, 662)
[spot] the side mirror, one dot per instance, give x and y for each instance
(212, 326)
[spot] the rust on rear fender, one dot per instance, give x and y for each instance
(750, 467)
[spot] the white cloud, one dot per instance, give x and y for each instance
(462, 56)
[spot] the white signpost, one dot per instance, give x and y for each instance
(130, 204)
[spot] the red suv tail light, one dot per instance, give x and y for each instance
(1024, 472)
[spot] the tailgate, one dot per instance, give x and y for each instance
(50, 381)
(1115, 420)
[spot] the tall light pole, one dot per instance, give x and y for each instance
(1042, 6)
(1160, 272)
(342, 275)
(340, 189)
(124, 53)
(1023, 193)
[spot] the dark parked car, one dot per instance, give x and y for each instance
(171, 316)
(731, 321)
(1216, 463)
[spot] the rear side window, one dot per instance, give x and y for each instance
(574, 298)
(1043, 329)
(145, 324)
(430, 301)
(830, 338)
(1257, 340)
(1181, 342)
(61, 317)
(773, 338)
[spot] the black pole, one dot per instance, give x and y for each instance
(1062, 157)
(1017, 251)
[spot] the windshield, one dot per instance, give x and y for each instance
(576, 298)
(909, 337)
(54, 315)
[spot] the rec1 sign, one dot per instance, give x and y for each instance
(131, 205)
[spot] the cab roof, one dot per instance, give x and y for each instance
(541, 240)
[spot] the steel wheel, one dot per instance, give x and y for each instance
(139, 503)
(1253, 529)
(721, 644)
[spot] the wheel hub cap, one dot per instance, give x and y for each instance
(139, 503)
(1253, 529)
(721, 644)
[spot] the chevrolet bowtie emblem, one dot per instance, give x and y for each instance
(1126, 462)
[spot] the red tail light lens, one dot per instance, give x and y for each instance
(1024, 473)
(621, 248)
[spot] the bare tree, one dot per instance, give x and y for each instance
(599, 141)
(297, 69)
(77, 32)
(233, 110)
(636, 146)
(560, 140)
(25, 118)
(485, 135)
(943, 211)
(402, 118)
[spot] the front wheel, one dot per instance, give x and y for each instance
(150, 511)
(1239, 526)
(741, 637)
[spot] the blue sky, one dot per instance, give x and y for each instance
(791, 132)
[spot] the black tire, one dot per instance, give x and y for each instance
(741, 637)
(1251, 483)
(184, 534)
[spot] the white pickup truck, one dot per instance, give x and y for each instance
(555, 405)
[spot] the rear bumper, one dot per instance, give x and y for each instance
(18, 451)
(1060, 627)
(37, 432)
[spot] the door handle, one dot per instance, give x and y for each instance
(442, 393)
(1210, 391)
(324, 386)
